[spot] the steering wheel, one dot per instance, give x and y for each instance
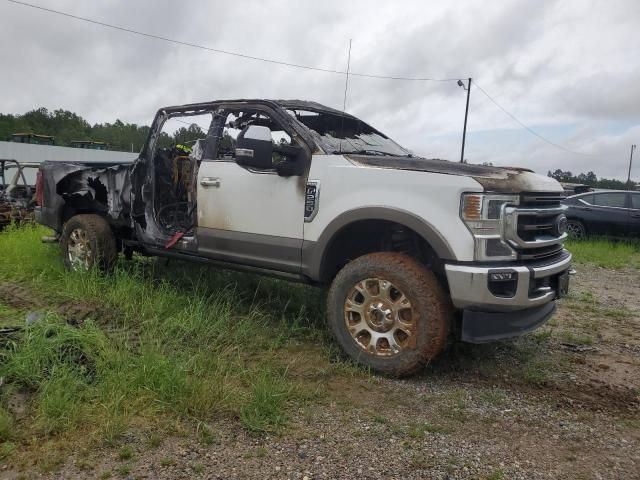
(178, 219)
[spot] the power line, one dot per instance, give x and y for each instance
(227, 52)
(293, 65)
(409, 79)
(527, 128)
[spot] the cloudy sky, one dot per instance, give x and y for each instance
(569, 69)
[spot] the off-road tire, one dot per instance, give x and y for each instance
(433, 309)
(100, 239)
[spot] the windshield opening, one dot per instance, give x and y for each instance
(345, 134)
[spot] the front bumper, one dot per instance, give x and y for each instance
(491, 311)
(535, 285)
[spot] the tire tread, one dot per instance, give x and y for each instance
(429, 293)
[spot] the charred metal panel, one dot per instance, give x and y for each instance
(493, 179)
(102, 190)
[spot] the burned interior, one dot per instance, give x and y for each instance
(178, 150)
(17, 192)
(189, 137)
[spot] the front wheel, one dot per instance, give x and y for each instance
(389, 313)
(87, 242)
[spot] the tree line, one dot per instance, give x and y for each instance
(68, 126)
(590, 179)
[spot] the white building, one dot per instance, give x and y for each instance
(32, 153)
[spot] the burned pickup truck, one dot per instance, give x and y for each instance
(414, 251)
(17, 191)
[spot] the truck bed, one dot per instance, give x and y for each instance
(84, 187)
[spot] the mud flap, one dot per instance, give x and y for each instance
(483, 327)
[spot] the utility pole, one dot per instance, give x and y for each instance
(633, 147)
(466, 114)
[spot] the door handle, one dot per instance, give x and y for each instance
(210, 182)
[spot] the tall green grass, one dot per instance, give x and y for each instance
(161, 341)
(606, 253)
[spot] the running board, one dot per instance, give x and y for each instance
(293, 277)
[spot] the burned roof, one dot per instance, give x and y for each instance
(310, 106)
(286, 104)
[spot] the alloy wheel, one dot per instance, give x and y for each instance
(79, 250)
(379, 317)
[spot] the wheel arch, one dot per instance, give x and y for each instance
(321, 262)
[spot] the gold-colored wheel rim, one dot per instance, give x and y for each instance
(79, 250)
(379, 317)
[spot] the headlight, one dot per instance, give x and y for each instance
(482, 214)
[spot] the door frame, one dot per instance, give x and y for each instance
(141, 177)
(256, 249)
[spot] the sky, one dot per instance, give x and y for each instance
(568, 69)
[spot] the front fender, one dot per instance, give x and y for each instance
(314, 253)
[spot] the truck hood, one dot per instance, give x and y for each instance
(492, 179)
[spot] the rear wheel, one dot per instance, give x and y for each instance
(576, 230)
(389, 313)
(87, 242)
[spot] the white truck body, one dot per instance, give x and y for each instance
(299, 190)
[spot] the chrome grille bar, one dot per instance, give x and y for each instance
(516, 218)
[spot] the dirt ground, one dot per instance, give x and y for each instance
(563, 402)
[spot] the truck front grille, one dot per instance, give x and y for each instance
(536, 228)
(541, 199)
(540, 253)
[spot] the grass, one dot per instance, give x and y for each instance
(155, 441)
(123, 470)
(126, 453)
(167, 462)
(421, 429)
(10, 316)
(266, 411)
(168, 343)
(576, 338)
(606, 253)
(493, 397)
(524, 360)
(588, 316)
(495, 475)
(173, 341)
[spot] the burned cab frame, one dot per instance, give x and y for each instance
(17, 192)
(158, 215)
(152, 199)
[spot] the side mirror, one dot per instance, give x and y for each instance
(254, 147)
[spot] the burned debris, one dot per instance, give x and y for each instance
(17, 192)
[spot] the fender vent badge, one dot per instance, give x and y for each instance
(311, 200)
